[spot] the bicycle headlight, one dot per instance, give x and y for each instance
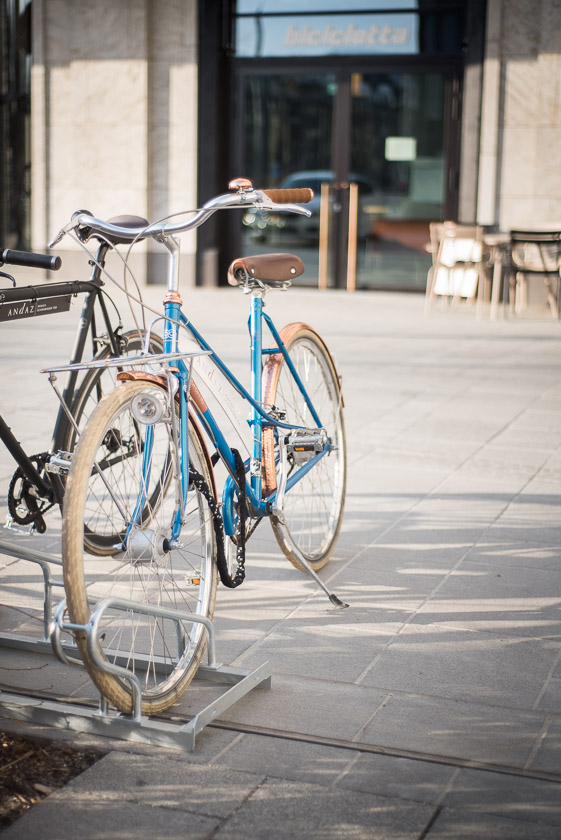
(148, 407)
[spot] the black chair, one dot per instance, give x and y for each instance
(534, 254)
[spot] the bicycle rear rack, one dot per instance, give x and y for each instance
(102, 720)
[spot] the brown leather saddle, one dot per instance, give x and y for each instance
(273, 270)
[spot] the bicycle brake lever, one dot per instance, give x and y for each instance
(62, 232)
(289, 208)
(71, 225)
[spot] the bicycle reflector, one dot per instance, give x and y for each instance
(148, 407)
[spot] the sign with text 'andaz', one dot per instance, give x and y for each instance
(13, 310)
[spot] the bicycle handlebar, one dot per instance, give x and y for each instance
(278, 199)
(29, 259)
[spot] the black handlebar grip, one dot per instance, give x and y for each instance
(29, 259)
(296, 196)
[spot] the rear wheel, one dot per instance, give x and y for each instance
(124, 472)
(99, 382)
(96, 384)
(313, 507)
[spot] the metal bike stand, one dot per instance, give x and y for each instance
(102, 720)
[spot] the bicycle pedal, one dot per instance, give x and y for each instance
(10, 525)
(60, 463)
(303, 446)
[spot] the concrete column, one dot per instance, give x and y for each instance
(39, 129)
(172, 124)
(90, 117)
(489, 152)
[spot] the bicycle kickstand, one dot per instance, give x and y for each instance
(277, 513)
(340, 605)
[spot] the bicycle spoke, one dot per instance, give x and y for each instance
(131, 504)
(313, 506)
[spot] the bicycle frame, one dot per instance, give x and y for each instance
(243, 196)
(259, 418)
(86, 325)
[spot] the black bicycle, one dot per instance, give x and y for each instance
(39, 480)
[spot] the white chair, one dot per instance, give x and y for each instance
(458, 267)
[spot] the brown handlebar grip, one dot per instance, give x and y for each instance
(299, 196)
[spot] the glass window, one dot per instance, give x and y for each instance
(287, 143)
(397, 142)
(287, 125)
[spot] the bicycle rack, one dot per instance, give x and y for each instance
(102, 720)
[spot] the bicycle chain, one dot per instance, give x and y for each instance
(218, 523)
(24, 498)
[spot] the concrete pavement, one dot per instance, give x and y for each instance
(431, 708)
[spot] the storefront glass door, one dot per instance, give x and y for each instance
(397, 148)
(384, 133)
(287, 143)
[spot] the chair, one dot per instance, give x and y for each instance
(458, 267)
(534, 254)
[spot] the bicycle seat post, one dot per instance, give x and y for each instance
(172, 244)
(172, 300)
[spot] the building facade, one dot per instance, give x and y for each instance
(433, 109)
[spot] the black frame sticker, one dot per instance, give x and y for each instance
(32, 307)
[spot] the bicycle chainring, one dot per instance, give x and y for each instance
(24, 507)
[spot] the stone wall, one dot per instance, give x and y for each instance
(520, 150)
(114, 115)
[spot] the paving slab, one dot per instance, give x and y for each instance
(547, 755)
(443, 727)
(44, 675)
(402, 778)
(290, 809)
(516, 554)
(294, 760)
(516, 798)
(457, 825)
(170, 782)
(58, 818)
(480, 667)
(478, 597)
(338, 647)
(326, 708)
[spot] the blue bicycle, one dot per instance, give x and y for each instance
(145, 529)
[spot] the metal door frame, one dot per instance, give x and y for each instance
(342, 67)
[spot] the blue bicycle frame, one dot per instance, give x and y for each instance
(259, 418)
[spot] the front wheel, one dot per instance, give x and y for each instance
(313, 507)
(123, 485)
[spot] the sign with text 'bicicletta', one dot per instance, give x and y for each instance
(385, 33)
